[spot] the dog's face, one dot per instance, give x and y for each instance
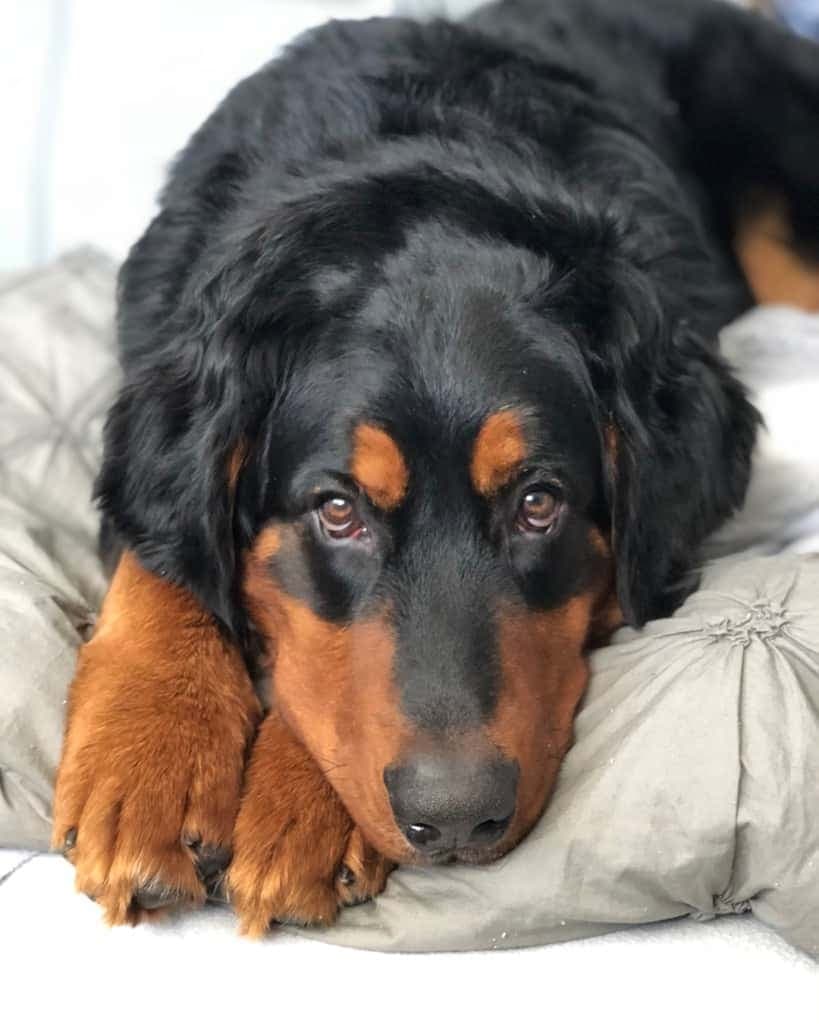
(430, 442)
(436, 551)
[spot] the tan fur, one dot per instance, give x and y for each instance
(499, 450)
(775, 273)
(334, 688)
(607, 614)
(378, 467)
(235, 465)
(545, 673)
(351, 729)
(293, 836)
(160, 715)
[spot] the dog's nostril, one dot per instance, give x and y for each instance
(489, 831)
(422, 835)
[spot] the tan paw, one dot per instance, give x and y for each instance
(150, 779)
(297, 856)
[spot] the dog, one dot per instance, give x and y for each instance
(422, 397)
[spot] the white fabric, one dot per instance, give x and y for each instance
(58, 959)
(96, 98)
(775, 350)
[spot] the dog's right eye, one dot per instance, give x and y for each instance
(340, 519)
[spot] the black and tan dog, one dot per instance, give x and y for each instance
(421, 397)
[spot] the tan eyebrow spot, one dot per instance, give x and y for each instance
(499, 450)
(378, 466)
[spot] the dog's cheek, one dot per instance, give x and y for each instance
(371, 732)
(544, 675)
(334, 687)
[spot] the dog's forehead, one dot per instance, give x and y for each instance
(444, 350)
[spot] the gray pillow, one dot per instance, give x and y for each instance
(693, 784)
(57, 377)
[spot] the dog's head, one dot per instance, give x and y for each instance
(432, 440)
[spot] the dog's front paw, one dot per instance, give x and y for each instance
(149, 784)
(297, 856)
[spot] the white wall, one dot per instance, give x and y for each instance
(97, 95)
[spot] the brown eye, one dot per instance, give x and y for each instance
(340, 519)
(538, 511)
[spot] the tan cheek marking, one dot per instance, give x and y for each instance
(607, 615)
(545, 673)
(334, 687)
(379, 467)
(268, 543)
(499, 450)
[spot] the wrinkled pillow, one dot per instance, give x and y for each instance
(693, 784)
(58, 374)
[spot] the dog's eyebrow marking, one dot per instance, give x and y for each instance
(378, 466)
(499, 450)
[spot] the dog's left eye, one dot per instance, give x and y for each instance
(340, 519)
(538, 511)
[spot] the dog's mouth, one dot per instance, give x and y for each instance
(474, 855)
(460, 856)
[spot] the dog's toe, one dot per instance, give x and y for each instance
(156, 896)
(211, 864)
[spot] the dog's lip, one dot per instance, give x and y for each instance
(459, 855)
(440, 857)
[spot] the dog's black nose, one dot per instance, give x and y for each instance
(444, 804)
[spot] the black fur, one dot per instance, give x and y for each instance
(418, 224)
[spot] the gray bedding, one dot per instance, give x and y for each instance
(693, 785)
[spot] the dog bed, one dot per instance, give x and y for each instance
(693, 785)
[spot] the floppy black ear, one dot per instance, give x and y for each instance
(179, 424)
(680, 444)
(165, 483)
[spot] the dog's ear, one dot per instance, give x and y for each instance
(677, 429)
(178, 431)
(678, 447)
(167, 480)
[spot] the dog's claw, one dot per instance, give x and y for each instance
(211, 864)
(346, 876)
(155, 898)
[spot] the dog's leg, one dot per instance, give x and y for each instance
(298, 857)
(748, 92)
(161, 714)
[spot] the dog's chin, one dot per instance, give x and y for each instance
(462, 856)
